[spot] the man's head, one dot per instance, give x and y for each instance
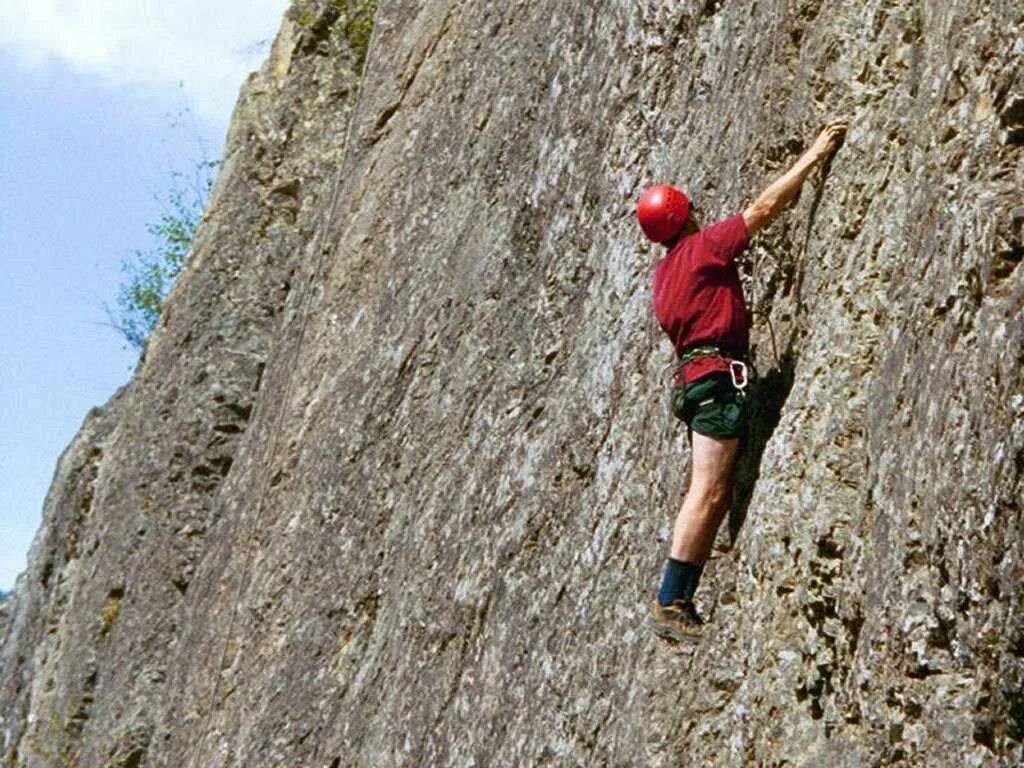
(664, 213)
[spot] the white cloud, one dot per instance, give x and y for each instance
(208, 46)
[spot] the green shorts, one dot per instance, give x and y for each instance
(711, 406)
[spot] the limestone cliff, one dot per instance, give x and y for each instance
(392, 484)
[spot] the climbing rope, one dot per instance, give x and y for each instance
(320, 259)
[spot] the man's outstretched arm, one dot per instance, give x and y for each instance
(780, 192)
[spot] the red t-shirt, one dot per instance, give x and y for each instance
(698, 298)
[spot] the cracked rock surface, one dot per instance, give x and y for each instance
(393, 483)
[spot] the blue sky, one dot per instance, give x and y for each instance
(91, 128)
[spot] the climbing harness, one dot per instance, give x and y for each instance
(739, 373)
(701, 350)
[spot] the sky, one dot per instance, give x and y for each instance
(102, 100)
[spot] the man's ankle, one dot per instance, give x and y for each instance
(679, 581)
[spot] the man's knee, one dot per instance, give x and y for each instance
(720, 495)
(711, 497)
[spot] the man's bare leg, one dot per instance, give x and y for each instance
(707, 500)
(673, 615)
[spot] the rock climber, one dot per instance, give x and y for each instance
(698, 301)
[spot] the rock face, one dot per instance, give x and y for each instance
(5, 616)
(393, 483)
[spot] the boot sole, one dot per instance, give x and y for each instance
(671, 633)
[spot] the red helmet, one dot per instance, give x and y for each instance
(662, 211)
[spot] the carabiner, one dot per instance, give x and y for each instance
(741, 367)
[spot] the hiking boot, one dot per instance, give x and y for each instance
(678, 621)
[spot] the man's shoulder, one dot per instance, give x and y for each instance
(733, 222)
(727, 235)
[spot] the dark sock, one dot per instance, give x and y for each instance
(680, 581)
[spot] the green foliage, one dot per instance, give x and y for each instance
(349, 23)
(306, 17)
(150, 274)
(357, 26)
